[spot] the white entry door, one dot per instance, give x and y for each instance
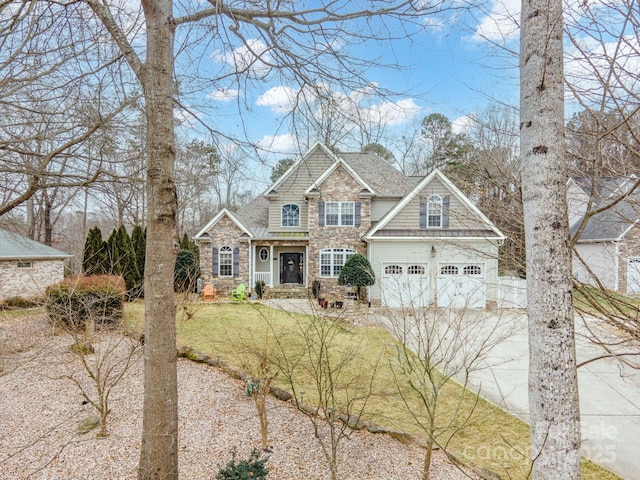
(633, 275)
(405, 285)
(462, 286)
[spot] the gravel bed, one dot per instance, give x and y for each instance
(41, 406)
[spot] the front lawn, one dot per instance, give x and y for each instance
(243, 334)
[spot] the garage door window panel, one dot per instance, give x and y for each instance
(449, 270)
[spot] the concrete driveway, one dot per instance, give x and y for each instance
(609, 392)
(609, 389)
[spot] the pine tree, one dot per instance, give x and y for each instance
(95, 255)
(123, 260)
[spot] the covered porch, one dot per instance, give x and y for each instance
(279, 263)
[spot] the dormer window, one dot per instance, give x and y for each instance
(291, 215)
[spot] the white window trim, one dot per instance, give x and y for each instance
(227, 251)
(341, 213)
(282, 216)
(333, 253)
(434, 202)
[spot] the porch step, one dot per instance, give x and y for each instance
(289, 292)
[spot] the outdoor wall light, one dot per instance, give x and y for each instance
(433, 251)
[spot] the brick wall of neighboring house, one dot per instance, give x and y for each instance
(29, 282)
(340, 186)
(224, 232)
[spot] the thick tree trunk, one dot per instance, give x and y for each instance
(553, 384)
(159, 451)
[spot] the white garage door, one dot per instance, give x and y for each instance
(633, 275)
(405, 285)
(462, 286)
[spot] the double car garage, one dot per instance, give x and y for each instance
(453, 285)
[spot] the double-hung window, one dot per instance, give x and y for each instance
(290, 215)
(332, 260)
(434, 211)
(339, 214)
(225, 262)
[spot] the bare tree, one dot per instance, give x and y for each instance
(339, 382)
(553, 379)
(437, 348)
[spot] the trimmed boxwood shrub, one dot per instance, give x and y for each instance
(75, 300)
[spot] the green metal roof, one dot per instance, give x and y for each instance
(18, 247)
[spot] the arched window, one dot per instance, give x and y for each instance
(393, 270)
(225, 262)
(434, 211)
(449, 270)
(332, 260)
(290, 215)
(472, 270)
(415, 270)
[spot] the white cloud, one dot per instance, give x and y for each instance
(224, 94)
(253, 58)
(462, 124)
(392, 113)
(281, 144)
(589, 67)
(279, 99)
(501, 23)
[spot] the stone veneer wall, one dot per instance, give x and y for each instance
(29, 282)
(340, 186)
(629, 247)
(224, 232)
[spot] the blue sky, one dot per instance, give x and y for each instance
(456, 63)
(449, 66)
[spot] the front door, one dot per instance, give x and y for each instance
(291, 268)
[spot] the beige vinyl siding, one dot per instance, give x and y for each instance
(292, 191)
(602, 259)
(460, 217)
(479, 252)
(381, 206)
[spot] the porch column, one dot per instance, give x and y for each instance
(306, 266)
(252, 263)
(271, 260)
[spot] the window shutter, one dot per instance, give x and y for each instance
(423, 213)
(214, 263)
(321, 214)
(445, 212)
(357, 214)
(236, 261)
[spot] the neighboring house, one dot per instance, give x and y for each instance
(608, 248)
(27, 267)
(427, 243)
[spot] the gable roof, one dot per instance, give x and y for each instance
(491, 228)
(18, 247)
(232, 216)
(339, 161)
(376, 175)
(611, 224)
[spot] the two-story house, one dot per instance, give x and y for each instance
(427, 243)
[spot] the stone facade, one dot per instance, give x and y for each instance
(629, 247)
(225, 233)
(29, 282)
(340, 186)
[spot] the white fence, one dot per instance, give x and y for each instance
(512, 292)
